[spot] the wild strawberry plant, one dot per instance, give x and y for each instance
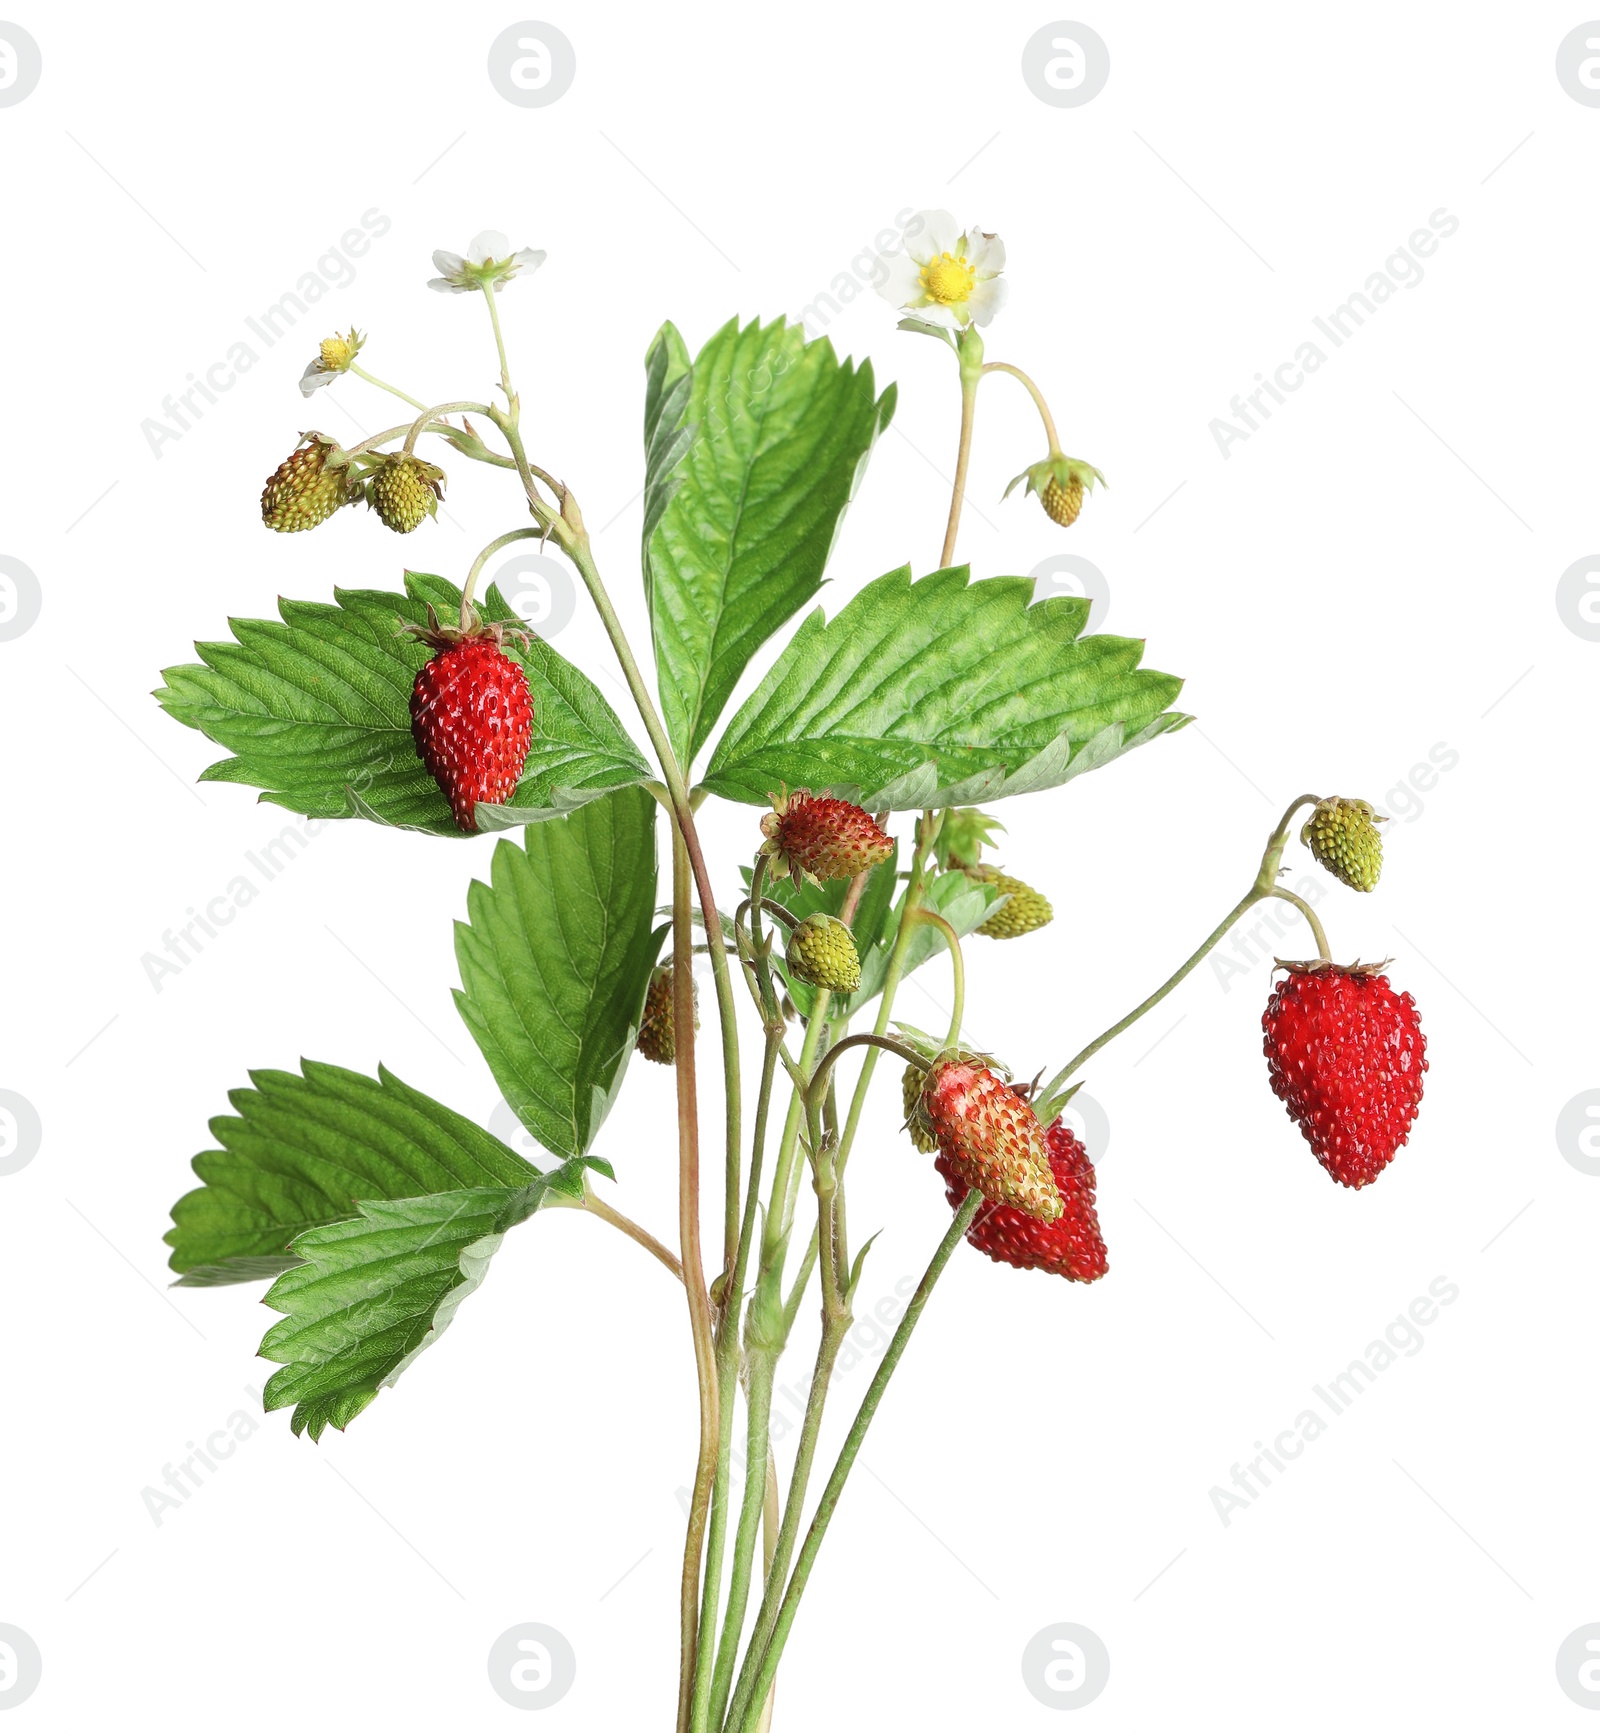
(866, 747)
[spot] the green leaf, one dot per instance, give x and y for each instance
(372, 1292)
(302, 1152)
(942, 693)
(752, 456)
(555, 958)
(316, 710)
(667, 436)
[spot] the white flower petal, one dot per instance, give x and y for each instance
(985, 253)
(446, 287)
(987, 299)
(491, 244)
(936, 313)
(901, 284)
(938, 233)
(314, 378)
(448, 264)
(529, 259)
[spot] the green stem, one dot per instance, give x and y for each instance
(772, 1650)
(758, 1402)
(887, 1043)
(1265, 885)
(1038, 401)
(384, 385)
(958, 983)
(603, 1211)
(891, 982)
(478, 564)
(704, 1714)
(419, 426)
(574, 539)
(550, 517)
(500, 344)
(970, 350)
(745, 1699)
(1311, 920)
(577, 546)
(1248, 901)
(780, 1214)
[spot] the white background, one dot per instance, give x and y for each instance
(1370, 576)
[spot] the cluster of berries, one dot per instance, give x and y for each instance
(316, 479)
(1345, 1052)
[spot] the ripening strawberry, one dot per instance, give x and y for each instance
(990, 1137)
(471, 716)
(813, 837)
(657, 1033)
(1070, 1246)
(1346, 1054)
(303, 491)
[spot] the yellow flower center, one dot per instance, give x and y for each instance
(948, 280)
(336, 354)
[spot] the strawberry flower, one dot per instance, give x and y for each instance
(489, 263)
(333, 358)
(946, 277)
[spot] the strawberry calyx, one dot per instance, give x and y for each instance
(1323, 966)
(473, 629)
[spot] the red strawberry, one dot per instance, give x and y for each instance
(1345, 1054)
(989, 1136)
(816, 838)
(471, 716)
(1070, 1246)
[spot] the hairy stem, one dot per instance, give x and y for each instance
(489, 295)
(745, 1692)
(693, 1268)
(709, 1697)
(1038, 400)
(478, 564)
(758, 1402)
(772, 1652)
(1311, 920)
(969, 351)
(577, 546)
(420, 425)
(958, 491)
(603, 1211)
(1265, 885)
(384, 385)
(891, 983)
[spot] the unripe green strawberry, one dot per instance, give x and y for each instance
(1025, 911)
(1343, 838)
(1062, 502)
(302, 491)
(822, 952)
(813, 837)
(657, 1039)
(916, 1122)
(404, 490)
(1060, 482)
